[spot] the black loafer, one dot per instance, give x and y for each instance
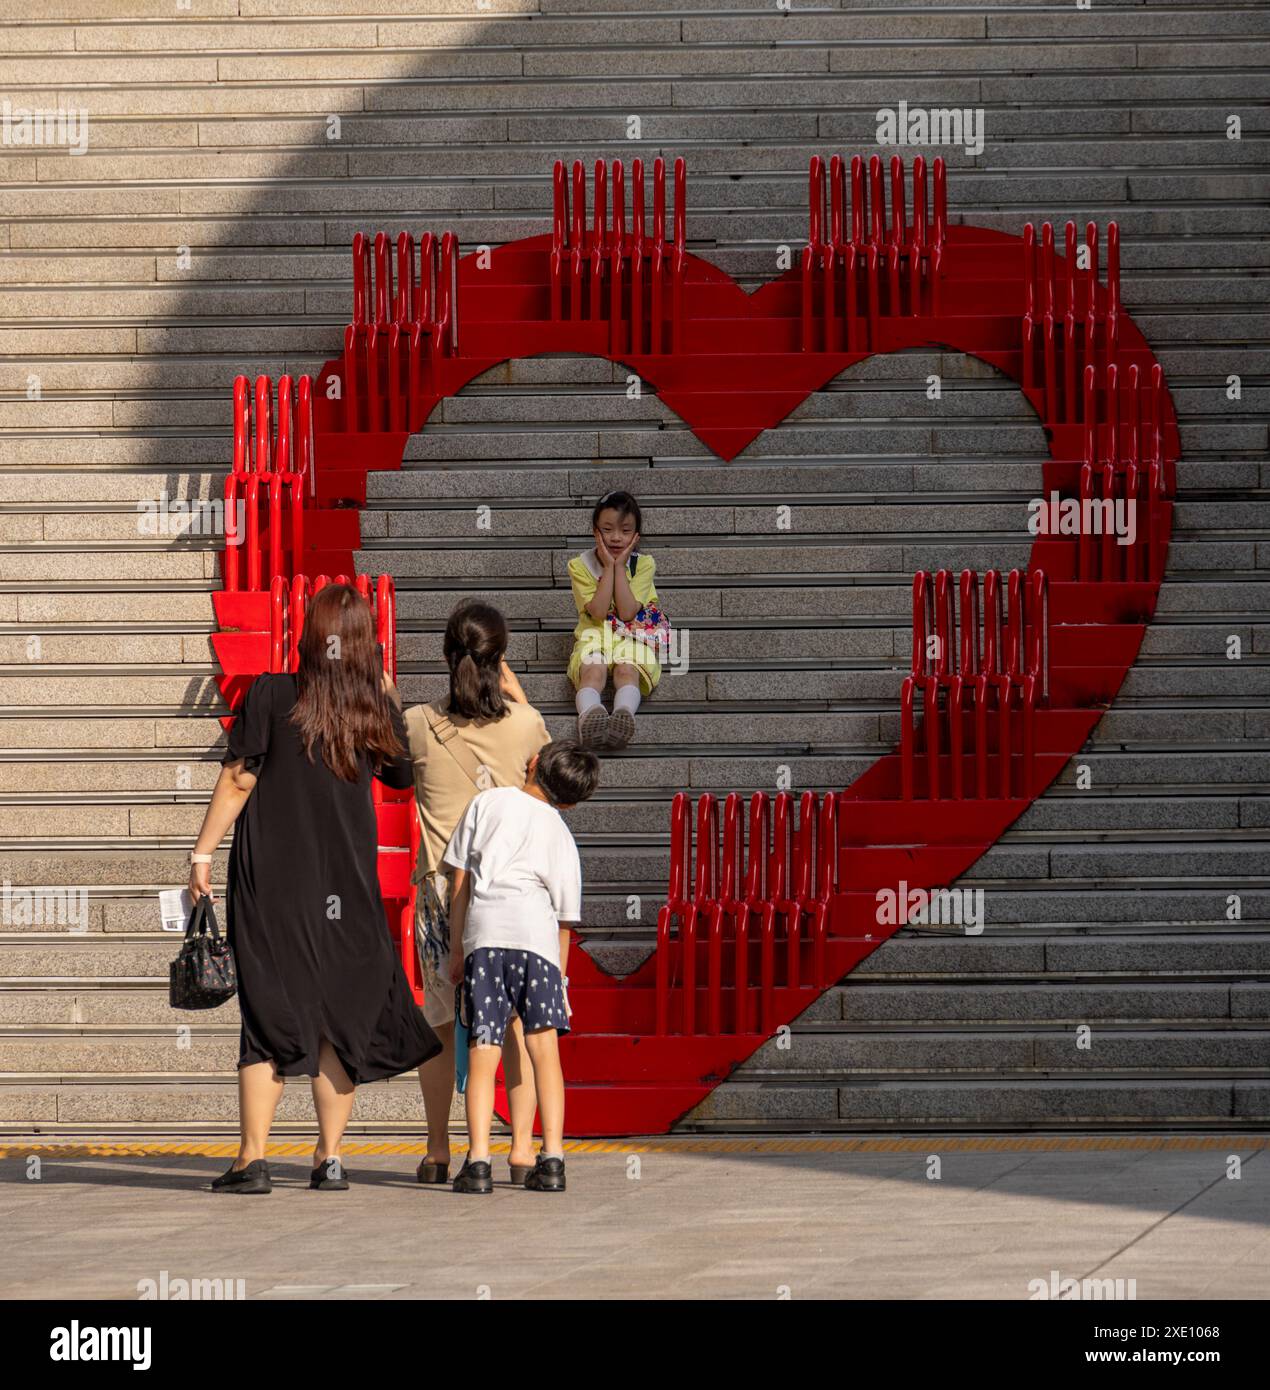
(429, 1173)
(519, 1172)
(246, 1181)
(547, 1176)
(329, 1176)
(474, 1177)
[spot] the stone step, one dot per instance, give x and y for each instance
(1076, 1004)
(1073, 818)
(103, 1057)
(1027, 1103)
(904, 959)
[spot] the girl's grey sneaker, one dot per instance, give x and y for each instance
(246, 1181)
(474, 1177)
(593, 727)
(548, 1175)
(621, 728)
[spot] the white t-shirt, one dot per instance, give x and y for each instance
(525, 874)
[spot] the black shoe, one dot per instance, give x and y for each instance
(329, 1176)
(519, 1172)
(474, 1177)
(429, 1172)
(548, 1175)
(245, 1181)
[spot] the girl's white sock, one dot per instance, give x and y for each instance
(627, 698)
(586, 698)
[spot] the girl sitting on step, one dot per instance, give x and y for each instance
(621, 627)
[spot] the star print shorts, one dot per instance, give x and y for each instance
(498, 982)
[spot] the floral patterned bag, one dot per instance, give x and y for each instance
(650, 626)
(202, 976)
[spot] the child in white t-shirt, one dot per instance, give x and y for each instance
(517, 884)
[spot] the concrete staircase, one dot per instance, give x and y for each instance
(1107, 905)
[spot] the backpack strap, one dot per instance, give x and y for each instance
(450, 737)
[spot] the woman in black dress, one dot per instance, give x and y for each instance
(320, 989)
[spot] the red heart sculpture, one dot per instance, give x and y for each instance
(740, 369)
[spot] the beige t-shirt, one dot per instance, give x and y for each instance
(443, 790)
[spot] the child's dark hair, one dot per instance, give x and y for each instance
(623, 504)
(567, 772)
(475, 641)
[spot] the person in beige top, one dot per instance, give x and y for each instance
(482, 736)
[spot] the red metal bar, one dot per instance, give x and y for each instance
(396, 402)
(273, 485)
(992, 620)
(1108, 569)
(930, 734)
(732, 865)
(1031, 315)
(680, 848)
(908, 691)
(898, 229)
(404, 310)
(969, 597)
(299, 608)
(1029, 735)
(837, 201)
(278, 614)
(778, 871)
(361, 276)
(956, 736)
(1038, 664)
(714, 968)
(664, 915)
(827, 848)
(352, 422)
(383, 280)
(374, 380)
(242, 423)
(877, 202)
(263, 424)
(681, 205)
(1014, 631)
(945, 622)
(386, 611)
(756, 868)
(858, 205)
(688, 919)
(923, 621)
(767, 965)
(741, 967)
(599, 239)
(707, 877)
(815, 200)
(803, 877)
(251, 490)
(941, 201)
(305, 464)
(233, 533)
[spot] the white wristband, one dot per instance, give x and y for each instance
(200, 858)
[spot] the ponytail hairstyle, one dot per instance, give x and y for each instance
(342, 710)
(623, 504)
(475, 644)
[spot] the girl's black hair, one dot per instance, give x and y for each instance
(623, 504)
(475, 642)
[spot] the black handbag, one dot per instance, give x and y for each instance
(202, 976)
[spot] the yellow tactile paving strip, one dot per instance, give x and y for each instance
(685, 1145)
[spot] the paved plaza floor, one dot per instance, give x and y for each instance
(743, 1218)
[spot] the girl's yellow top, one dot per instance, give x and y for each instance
(590, 639)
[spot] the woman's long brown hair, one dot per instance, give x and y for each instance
(341, 708)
